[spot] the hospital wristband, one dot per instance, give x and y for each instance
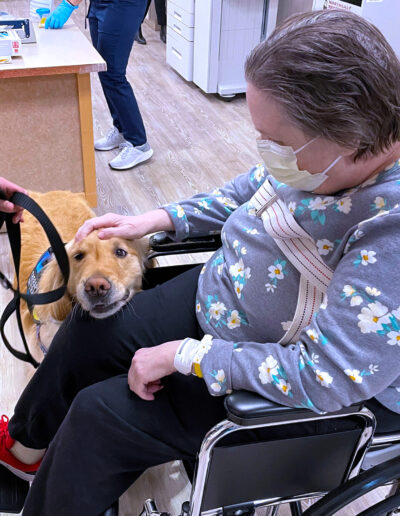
(185, 354)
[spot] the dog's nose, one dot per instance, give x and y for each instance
(97, 286)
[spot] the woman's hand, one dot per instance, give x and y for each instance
(149, 365)
(130, 227)
(8, 207)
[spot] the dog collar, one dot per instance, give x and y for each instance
(34, 278)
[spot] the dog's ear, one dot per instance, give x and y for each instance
(51, 279)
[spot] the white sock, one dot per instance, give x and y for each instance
(26, 455)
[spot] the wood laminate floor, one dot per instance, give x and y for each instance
(199, 142)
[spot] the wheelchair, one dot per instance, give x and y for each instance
(263, 454)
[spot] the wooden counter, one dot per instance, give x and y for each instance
(46, 141)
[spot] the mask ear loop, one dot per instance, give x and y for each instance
(331, 165)
(306, 145)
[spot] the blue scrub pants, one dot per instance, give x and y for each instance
(113, 25)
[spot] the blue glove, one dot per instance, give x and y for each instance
(60, 15)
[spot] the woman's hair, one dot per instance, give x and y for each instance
(335, 75)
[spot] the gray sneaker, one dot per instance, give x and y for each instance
(111, 140)
(131, 156)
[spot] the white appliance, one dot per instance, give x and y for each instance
(208, 41)
(385, 14)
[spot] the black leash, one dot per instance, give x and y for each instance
(14, 235)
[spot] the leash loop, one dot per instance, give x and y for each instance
(14, 236)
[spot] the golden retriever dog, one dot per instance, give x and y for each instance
(104, 274)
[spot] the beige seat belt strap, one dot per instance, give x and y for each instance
(300, 249)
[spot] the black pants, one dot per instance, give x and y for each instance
(101, 435)
(160, 11)
(113, 25)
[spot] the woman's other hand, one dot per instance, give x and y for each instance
(8, 207)
(60, 15)
(149, 366)
(131, 227)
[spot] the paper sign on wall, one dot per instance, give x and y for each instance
(354, 6)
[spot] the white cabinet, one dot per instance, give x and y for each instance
(180, 36)
(208, 41)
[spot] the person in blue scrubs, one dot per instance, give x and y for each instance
(113, 25)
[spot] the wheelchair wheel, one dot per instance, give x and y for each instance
(358, 487)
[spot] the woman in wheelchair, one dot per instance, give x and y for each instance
(301, 304)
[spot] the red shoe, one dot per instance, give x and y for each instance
(7, 459)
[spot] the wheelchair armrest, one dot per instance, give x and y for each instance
(161, 244)
(248, 408)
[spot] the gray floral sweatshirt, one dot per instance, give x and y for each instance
(247, 294)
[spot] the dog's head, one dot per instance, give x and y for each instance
(104, 275)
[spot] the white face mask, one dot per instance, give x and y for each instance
(281, 163)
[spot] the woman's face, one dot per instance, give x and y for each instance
(272, 123)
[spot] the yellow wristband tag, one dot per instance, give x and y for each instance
(197, 370)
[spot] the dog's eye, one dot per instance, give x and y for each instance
(121, 253)
(79, 256)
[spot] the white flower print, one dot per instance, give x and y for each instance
(324, 378)
(204, 204)
(324, 246)
(203, 269)
(275, 271)
(243, 250)
(367, 257)
(229, 203)
(320, 204)
(252, 231)
(356, 300)
(217, 310)
(180, 212)
(283, 386)
(268, 369)
(313, 335)
(235, 243)
(354, 375)
(197, 211)
(270, 287)
(394, 338)
(348, 290)
(198, 307)
(238, 288)
(216, 387)
(315, 358)
(372, 291)
(344, 205)
(372, 317)
(220, 268)
(220, 376)
(373, 368)
(259, 173)
(292, 207)
(238, 269)
(286, 325)
(233, 320)
(379, 203)
(396, 313)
